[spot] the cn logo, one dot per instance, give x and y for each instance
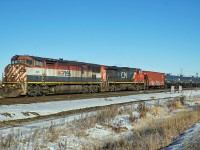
(124, 75)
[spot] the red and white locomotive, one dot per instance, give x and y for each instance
(34, 76)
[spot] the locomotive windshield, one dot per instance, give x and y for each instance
(22, 61)
(14, 62)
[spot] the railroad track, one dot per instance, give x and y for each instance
(69, 97)
(19, 122)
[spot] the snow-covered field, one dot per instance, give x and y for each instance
(66, 133)
(21, 111)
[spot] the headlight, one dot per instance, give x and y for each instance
(3, 85)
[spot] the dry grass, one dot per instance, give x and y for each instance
(62, 146)
(52, 133)
(125, 110)
(53, 137)
(157, 134)
(119, 129)
(151, 134)
(81, 133)
(143, 109)
(157, 110)
(133, 119)
(175, 104)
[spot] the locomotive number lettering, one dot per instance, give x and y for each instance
(67, 73)
(124, 75)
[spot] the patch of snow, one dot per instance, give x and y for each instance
(99, 132)
(96, 133)
(48, 108)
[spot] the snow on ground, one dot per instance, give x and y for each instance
(44, 132)
(21, 111)
(186, 139)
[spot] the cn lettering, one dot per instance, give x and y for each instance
(124, 75)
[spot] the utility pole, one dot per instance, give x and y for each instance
(1, 79)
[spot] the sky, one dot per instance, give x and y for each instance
(155, 35)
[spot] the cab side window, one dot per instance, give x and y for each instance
(29, 62)
(38, 63)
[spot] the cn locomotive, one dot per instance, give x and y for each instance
(35, 76)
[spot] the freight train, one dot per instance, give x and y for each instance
(35, 76)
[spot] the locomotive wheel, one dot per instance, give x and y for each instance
(137, 87)
(96, 88)
(112, 88)
(37, 90)
(85, 89)
(140, 87)
(131, 87)
(91, 89)
(30, 91)
(45, 90)
(34, 90)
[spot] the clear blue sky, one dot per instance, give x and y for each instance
(157, 35)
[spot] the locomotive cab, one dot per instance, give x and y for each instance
(14, 80)
(138, 76)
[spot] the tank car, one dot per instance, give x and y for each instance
(172, 80)
(196, 81)
(180, 80)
